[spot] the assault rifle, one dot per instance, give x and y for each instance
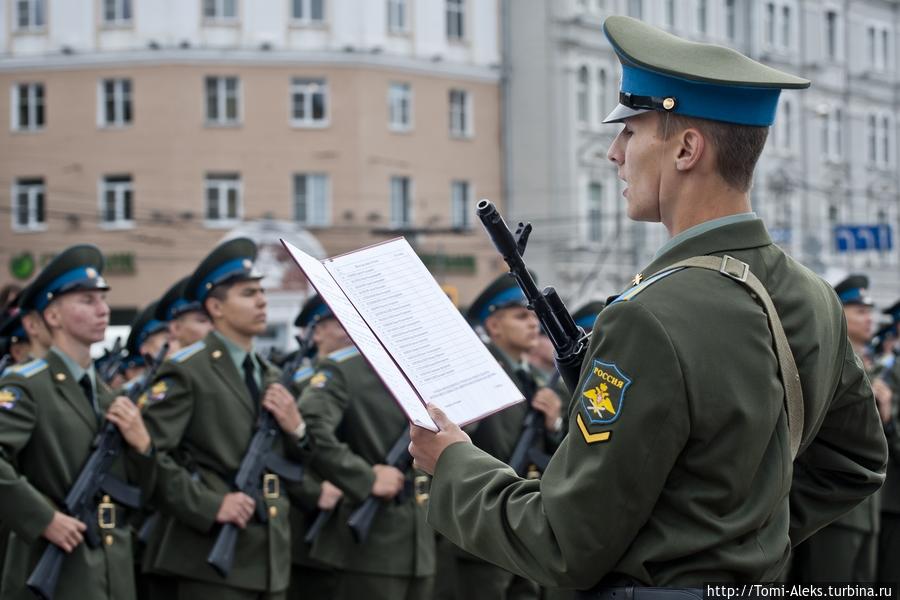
(257, 459)
(108, 364)
(524, 453)
(93, 480)
(567, 337)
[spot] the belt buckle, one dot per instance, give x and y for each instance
(420, 485)
(106, 514)
(271, 486)
(743, 269)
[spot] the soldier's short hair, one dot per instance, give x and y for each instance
(738, 147)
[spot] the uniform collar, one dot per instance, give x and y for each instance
(735, 234)
(76, 370)
(702, 228)
(238, 354)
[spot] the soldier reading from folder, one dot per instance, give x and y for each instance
(690, 478)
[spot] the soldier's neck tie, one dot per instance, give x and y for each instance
(250, 380)
(88, 389)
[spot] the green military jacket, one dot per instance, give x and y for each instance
(304, 495)
(47, 428)
(201, 418)
(890, 493)
(677, 468)
(353, 421)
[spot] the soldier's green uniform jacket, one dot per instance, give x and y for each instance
(47, 428)
(677, 467)
(353, 421)
(201, 418)
(890, 493)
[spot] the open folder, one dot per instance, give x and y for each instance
(408, 330)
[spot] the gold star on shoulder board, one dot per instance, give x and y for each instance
(637, 279)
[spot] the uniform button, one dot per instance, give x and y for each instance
(108, 540)
(273, 511)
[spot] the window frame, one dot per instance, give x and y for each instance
(407, 201)
(221, 101)
(458, 8)
(32, 106)
(466, 114)
(122, 187)
(302, 85)
(395, 25)
(306, 8)
(399, 94)
(36, 190)
(118, 20)
(318, 211)
(222, 182)
(460, 207)
(120, 100)
(220, 17)
(36, 11)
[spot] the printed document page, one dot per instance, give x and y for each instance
(362, 336)
(425, 334)
(410, 332)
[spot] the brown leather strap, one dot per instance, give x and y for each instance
(787, 366)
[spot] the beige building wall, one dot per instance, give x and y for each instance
(168, 150)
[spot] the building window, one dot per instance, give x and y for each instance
(885, 141)
(785, 26)
(401, 204)
(636, 9)
(702, 12)
(308, 11)
(581, 95)
(309, 102)
(28, 205)
(456, 20)
(222, 100)
(595, 208)
(223, 199)
(878, 47)
(459, 204)
(116, 12)
(769, 23)
(220, 10)
(115, 102)
(311, 204)
(670, 14)
(832, 134)
(601, 93)
(460, 114)
(831, 34)
(400, 107)
(396, 16)
(730, 20)
(873, 138)
(30, 15)
(885, 50)
(116, 201)
(28, 106)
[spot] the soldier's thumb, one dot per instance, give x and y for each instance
(439, 418)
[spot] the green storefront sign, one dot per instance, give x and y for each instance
(439, 264)
(23, 266)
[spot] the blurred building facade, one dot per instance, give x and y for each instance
(827, 184)
(156, 129)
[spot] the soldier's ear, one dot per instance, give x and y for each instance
(692, 146)
(213, 307)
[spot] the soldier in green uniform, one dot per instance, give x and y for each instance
(51, 410)
(846, 550)
(678, 468)
(147, 336)
(26, 334)
(353, 422)
(188, 322)
(886, 383)
(201, 412)
(310, 578)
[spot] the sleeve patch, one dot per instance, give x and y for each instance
(320, 379)
(9, 396)
(156, 393)
(601, 400)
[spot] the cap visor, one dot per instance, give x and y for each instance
(622, 112)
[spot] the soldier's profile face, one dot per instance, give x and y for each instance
(191, 327)
(859, 323)
(329, 335)
(636, 151)
(243, 309)
(515, 329)
(83, 315)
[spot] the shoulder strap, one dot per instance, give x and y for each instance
(787, 366)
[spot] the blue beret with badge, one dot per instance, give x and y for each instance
(229, 262)
(665, 73)
(173, 303)
(77, 268)
(854, 290)
(503, 292)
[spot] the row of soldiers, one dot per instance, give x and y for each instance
(864, 544)
(187, 434)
